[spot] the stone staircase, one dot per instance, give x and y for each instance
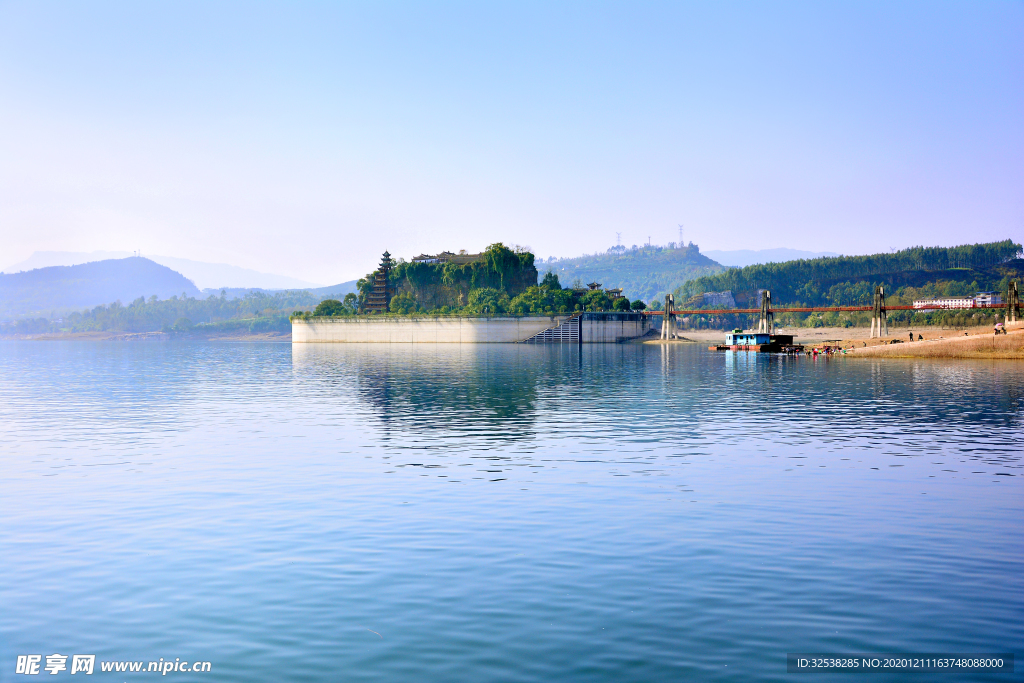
(568, 332)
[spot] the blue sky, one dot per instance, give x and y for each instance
(304, 139)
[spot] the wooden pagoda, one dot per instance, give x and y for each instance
(379, 300)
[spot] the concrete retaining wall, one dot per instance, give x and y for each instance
(598, 328)
(612, 328)
(387, 330)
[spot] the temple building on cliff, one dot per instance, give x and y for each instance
(379, 300)
(460, 259)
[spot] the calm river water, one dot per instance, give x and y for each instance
(504, 513)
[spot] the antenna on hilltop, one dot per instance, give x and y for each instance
(680, 235)
(618, 239)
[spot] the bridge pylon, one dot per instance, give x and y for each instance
(767, 322)
(879, 321)
(1012, 302)
(668, 323)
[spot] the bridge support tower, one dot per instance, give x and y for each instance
(1012, 302)
(879, 321)
(767, 322)
(668, 323)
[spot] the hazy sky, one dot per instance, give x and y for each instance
(304, 139)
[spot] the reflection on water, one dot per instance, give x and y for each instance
(656, 400)
(510, 512)
(482, 392)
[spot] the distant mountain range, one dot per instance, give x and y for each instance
(51, 284)
(748, 257)
(340, 289)
(213, 276)
(56, 290)
(43, 291)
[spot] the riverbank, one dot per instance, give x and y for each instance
(1008, 346)
(934, 342)
(847, 335)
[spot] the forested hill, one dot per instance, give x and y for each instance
(642, 272)
(445, 287)
(63, 288)
(850, 280)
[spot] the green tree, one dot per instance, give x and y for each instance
(638, 305)
(541, 300)
(595, 300)
(620, 304)
(550, 281)
(330, 308)
(404, 303)
(488, 301)
(182, 326)
(502, 261)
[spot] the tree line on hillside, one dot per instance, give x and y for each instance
(851, 281)
(254, 312)
(546, 298)
(809, 281)
(420, 287)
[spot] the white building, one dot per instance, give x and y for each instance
(980, 299)
(988, 299)
(945, 302)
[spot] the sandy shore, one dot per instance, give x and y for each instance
(846, 335)
(986, 345)
(934, 342)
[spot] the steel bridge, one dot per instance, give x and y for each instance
(879, 321)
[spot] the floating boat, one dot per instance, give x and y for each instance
(762, 342)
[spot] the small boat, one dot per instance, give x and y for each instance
(762, 342)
